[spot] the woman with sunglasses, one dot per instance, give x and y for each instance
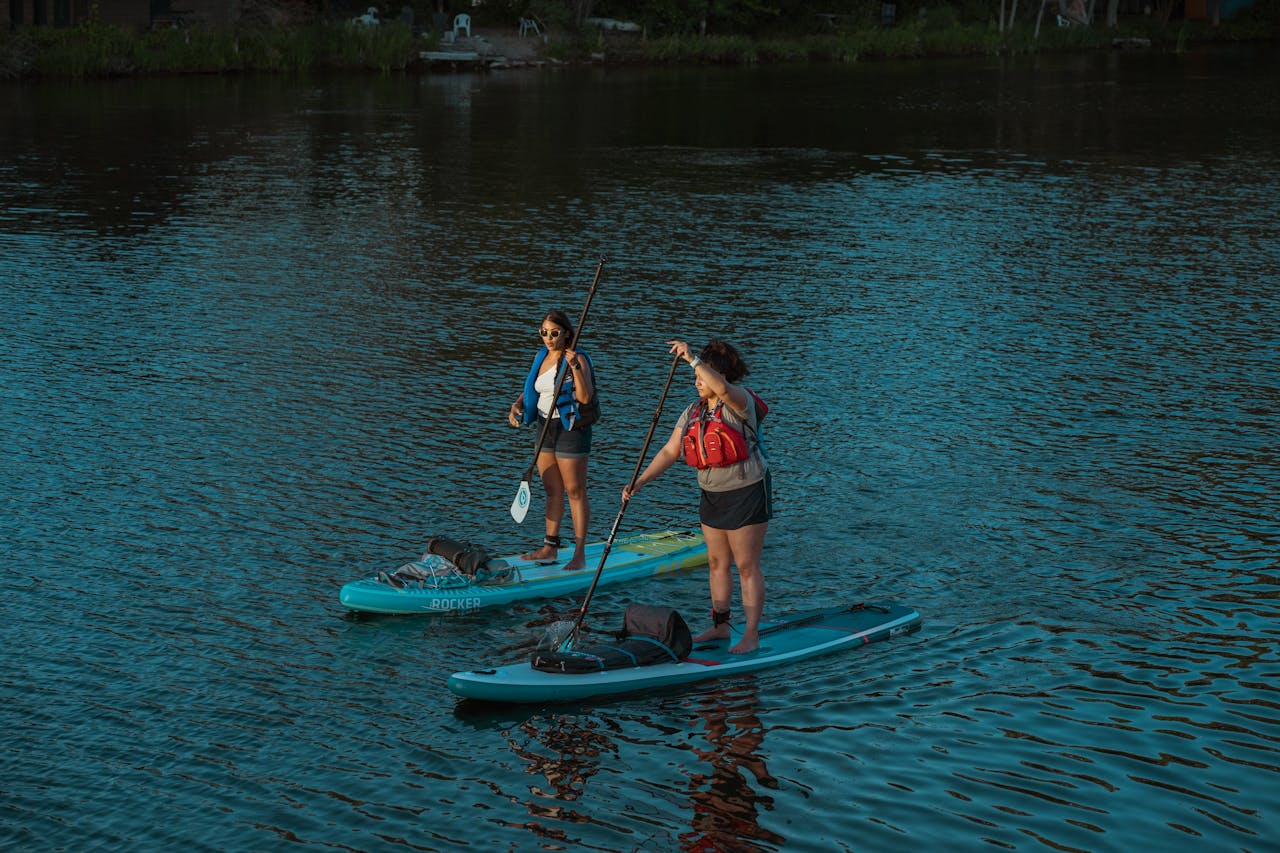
(719, 435)
(562, 457)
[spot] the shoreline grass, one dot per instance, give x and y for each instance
(94, 50)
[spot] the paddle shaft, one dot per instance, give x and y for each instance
(561, 373)
(613, 533)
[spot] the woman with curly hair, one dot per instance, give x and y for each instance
(719, 435)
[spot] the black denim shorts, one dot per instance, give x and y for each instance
(565, 443)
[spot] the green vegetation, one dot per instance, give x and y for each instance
(716, 32)
(940, 34)
(94, 50)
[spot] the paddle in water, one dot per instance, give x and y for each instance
(524, 495)
(556, 637)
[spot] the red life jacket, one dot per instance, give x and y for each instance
(709, 442)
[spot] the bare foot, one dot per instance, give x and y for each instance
(577, 564)
(749, 643)
(545, 554)
(719, 632)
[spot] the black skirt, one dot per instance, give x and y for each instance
(737, 508)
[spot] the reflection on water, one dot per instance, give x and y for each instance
(717, 786)
(575, 751)
(724, 796)
(1018, 324)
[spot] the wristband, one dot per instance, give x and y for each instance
(694, 364)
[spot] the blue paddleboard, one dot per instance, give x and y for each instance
(642, 555)
(784, 641)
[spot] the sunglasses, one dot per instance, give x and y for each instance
(550, 333)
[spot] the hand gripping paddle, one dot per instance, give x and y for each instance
(566, 643)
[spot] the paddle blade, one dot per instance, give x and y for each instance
(520, 506)
(554, 636)
(570, 637)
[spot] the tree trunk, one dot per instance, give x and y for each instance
(1040, 17)
(1113, 13)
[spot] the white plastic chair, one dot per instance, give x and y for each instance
(461, 22)
(1072, 13)
(529, 25)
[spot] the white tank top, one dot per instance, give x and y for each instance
(545, 384)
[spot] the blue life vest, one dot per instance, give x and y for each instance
(566, 403)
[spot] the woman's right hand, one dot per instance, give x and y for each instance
(513, 416)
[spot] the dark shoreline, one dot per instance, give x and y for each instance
(95, 51)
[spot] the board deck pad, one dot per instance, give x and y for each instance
(641, 555)
(783, 641)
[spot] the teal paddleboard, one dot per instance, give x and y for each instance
(642, 555)
(782, 642)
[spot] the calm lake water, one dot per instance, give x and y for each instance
(1018, 322)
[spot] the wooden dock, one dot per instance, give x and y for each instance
(463, 58)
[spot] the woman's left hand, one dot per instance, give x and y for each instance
(680, 348)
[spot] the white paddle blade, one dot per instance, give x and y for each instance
(520, 506)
